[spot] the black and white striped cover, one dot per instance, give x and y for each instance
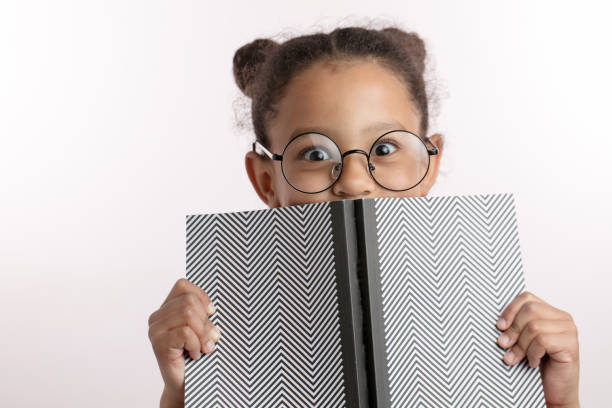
(446, 268)
(387, 302)
(271, 275)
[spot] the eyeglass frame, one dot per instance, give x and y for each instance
(279, 157)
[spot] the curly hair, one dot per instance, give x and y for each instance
(263, 68)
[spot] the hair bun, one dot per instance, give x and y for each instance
(248, 61)
(412, 42)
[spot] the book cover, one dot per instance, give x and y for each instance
(384, 302)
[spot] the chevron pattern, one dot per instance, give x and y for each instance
(449, 266)
(271, 276)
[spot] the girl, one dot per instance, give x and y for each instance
(351, 87)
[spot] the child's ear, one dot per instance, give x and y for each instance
(434, 164)
(260, 173)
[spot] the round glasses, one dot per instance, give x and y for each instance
(312, 162)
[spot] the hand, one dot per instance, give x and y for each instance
(548, 338)
(181, 323)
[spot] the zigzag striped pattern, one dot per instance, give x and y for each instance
(449, 266)
(271, 275)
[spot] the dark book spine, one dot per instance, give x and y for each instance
(368, 275)
(346, 256)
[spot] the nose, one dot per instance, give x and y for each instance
(355, 180)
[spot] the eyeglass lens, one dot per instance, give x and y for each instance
(312, 162)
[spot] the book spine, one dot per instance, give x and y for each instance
(350, 303)
(368, 272)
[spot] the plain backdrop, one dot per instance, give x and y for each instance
(118, 118)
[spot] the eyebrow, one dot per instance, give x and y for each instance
(372, 127)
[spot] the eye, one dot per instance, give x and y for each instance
(384, 148)
(314, 154)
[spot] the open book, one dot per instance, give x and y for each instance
(384, 302)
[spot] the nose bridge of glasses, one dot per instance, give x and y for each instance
(355, 151)
(365, 154)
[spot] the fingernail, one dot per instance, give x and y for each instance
(198, 355)
(501, 323)
(211, 308)
(215, 333)
(509, 357)
(503, 339)
(209, 347)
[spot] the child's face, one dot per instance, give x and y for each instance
(340, 101)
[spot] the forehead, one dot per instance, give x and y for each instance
(353, 103)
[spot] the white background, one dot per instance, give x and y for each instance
(114, 114)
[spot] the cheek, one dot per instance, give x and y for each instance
(418, 191)
(286, 194)
(290, 196)
(294, 197)
(281, 188)
(413, 192)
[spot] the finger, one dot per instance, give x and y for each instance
(212, 332)
(209, 336)
(556, 345)
(507, 316)
(188, 300)
(559, 348)
(187, 311)
(185, 286)
(182, 287)
(185, 337)
(213, 335)
(182, 315)
(179, 338)
(531, 330)
(529, 312)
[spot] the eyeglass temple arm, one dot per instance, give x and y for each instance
(268, 153)
(434, 151)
